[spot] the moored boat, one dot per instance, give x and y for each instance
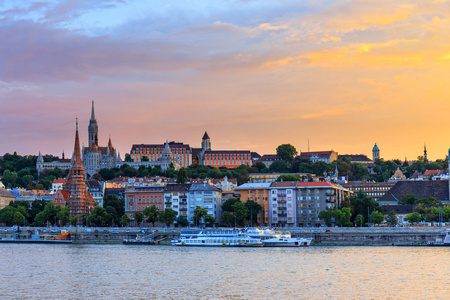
(238, 240)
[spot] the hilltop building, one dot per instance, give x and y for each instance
(326, 156)
(184, 155)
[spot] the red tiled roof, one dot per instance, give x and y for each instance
(59, 181)
(431, 172)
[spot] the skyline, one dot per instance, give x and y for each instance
(253, 74)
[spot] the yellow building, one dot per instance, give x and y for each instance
(272, 177)
(5, 198)
(258, 192)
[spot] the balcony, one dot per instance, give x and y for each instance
(281, 194)
(329, 200)
(183, 209)
(183, 197)
(282, 208)
(183, 202)
(168, 197)
(168, 203)
(281, 201)
(282, 215)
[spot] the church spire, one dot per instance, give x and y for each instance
(76, 160)
(93, 112)
(93, 128)
(425, 155)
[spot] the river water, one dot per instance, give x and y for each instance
(168, 272)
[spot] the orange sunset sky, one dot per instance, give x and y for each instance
(254, 74)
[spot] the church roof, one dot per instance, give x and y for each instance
(375, 148)
(205, 136)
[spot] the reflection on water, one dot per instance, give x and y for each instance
(119, 271)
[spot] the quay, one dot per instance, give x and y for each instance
(334, 236)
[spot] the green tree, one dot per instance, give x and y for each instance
(241, 212)
(7, 215)
(253, 209)
(409, 199)
(278, 166)
(326, 216)
(289, 177)
(145, 158)
(138, 217)
(260, 165)
(243, 177)
(74, 221)
(18, 218)
(209, 220)
(227, 219)
(50, 212)
(414, 217)
(128, 157)
(182, 221)
(429, 201)
(168, 216)
(286, 152)
(9, 179)
(117, 203)
(228, 204)
(40, 219)
(342, 216)
(99, 217)
(376, 217)
(63, 215)
(125, 220)
(392, 219)
(152, 213)
(199, 213)
(359, 220)
(362, 204)
(182, 175)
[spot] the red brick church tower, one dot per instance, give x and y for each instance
(79, 201)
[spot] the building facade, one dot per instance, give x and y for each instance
(259, 193)
(325, 156)
(375, 190)
(207, 197)
(139, 198)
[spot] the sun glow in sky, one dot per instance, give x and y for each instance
(254, 74)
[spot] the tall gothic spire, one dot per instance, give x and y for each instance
(79, 201)
(93, 112)
(93, 128)
(76, 160)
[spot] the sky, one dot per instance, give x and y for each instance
(253, 74)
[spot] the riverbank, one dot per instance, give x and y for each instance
(372, 236)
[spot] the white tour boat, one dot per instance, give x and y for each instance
(272, 238)
(238, 240)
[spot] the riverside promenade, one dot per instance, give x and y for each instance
(322, 236)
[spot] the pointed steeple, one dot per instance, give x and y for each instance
(425, 156)
(79, 200)
(40, 158)
(76, 160)
(93, 128)
(93, 112)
